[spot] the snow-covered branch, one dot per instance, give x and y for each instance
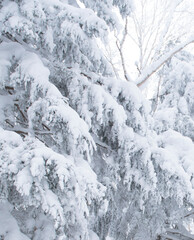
(149, 71)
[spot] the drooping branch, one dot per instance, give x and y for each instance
(147, 73)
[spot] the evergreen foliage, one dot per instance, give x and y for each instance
(81, 157)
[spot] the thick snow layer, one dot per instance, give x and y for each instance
(32, 71)
(175, 158)
(9, 229)
(32, 166)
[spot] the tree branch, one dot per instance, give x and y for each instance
(147, 73)
(120, 45)
(157, 96)
(8, 122)
(173, 232)
(26, 132)
(189, 214)
(23, 115)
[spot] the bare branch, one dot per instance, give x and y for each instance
(9, 123)
(110, 60)
(179, 235)
(120, 45)
(26, 131)
(101, 146)
(45, 126)
(23, 115)
(147, 73)
(189, 214)
(9, 88)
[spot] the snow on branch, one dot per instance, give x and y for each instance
(147, 73)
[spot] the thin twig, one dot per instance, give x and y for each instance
(26, 132)
(45, 126)
(189, 214)
(9, 88)
(8, 122)
(120, 45)
(157, 97)
(18, 107)
(158, 64)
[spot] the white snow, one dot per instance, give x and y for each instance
(9, 229)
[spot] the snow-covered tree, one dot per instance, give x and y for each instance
(175, 99)
(154, 32)
(46, 180)
(173, 113)
(79, 156)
